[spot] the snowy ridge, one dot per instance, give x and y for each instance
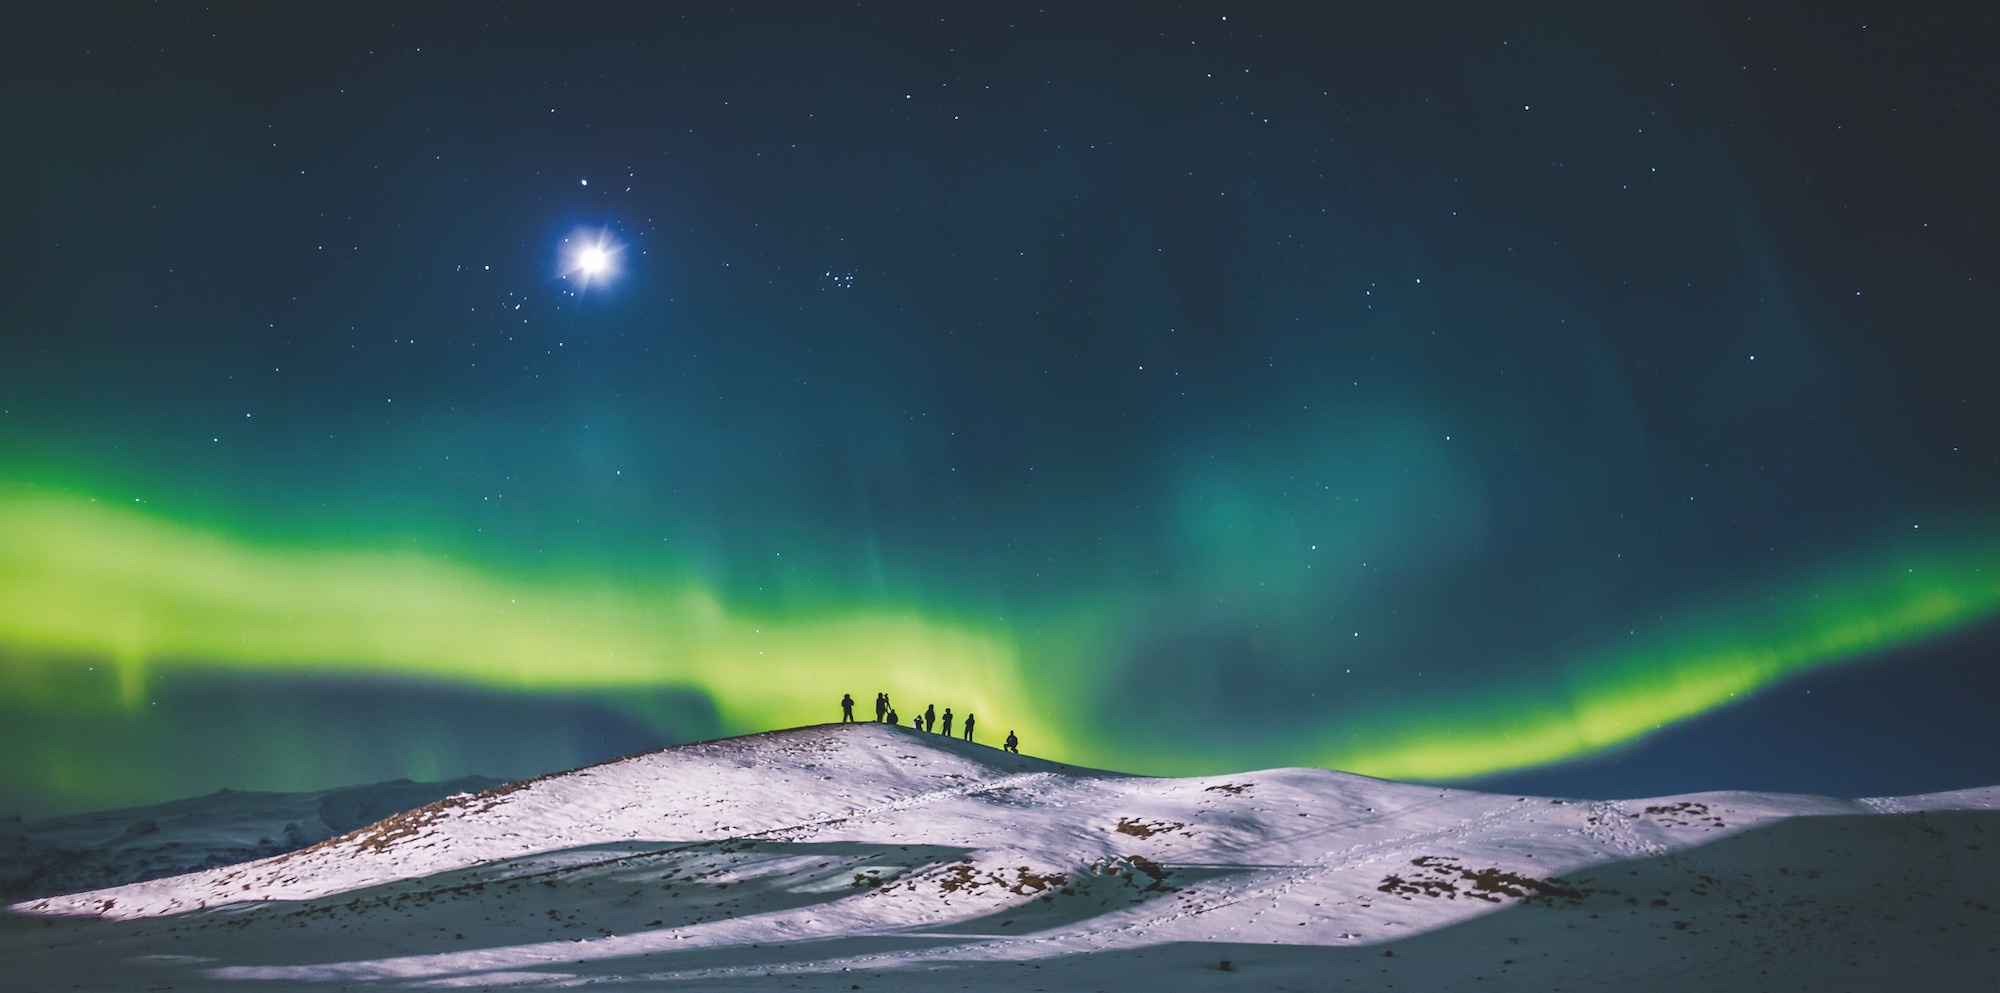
(110, 847)
(820, 852)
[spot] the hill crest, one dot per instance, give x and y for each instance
(941, 853)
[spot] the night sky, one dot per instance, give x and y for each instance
(1588, 399)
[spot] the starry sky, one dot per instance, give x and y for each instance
(1573, 398)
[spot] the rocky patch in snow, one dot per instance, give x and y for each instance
(869, 857)
(109, 848)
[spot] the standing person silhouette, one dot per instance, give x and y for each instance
(930, 717)
(846, 708)
(1013, 743)
(893, 719)
(881, 706)
(947, 722)
(968, 726)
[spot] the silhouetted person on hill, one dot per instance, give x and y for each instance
(1013, 743)
(968, 727)
(881, 706)
(930, 717)
(893, 719)
(947, 722)
(846, 708)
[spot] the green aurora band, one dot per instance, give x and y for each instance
(87, 582)
(1706, 660)
(81, 579)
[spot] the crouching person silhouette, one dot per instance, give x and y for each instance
(1013, 743)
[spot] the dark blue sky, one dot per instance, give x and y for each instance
(1273, 386)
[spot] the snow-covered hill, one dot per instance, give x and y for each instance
(109, 847)
(873, 857)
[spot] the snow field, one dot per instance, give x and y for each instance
(832, 852)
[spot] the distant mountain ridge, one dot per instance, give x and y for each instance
(113, 847)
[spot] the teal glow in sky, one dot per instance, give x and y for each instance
(1428, 397)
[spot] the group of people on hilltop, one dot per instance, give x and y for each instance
(926, 721)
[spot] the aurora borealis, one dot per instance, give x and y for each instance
(1437, 394)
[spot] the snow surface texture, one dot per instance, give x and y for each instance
(872, 857)
(109, 847)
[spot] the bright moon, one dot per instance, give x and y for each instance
(590, 256)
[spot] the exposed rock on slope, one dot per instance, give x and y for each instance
(864, 855)
(112, 847)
